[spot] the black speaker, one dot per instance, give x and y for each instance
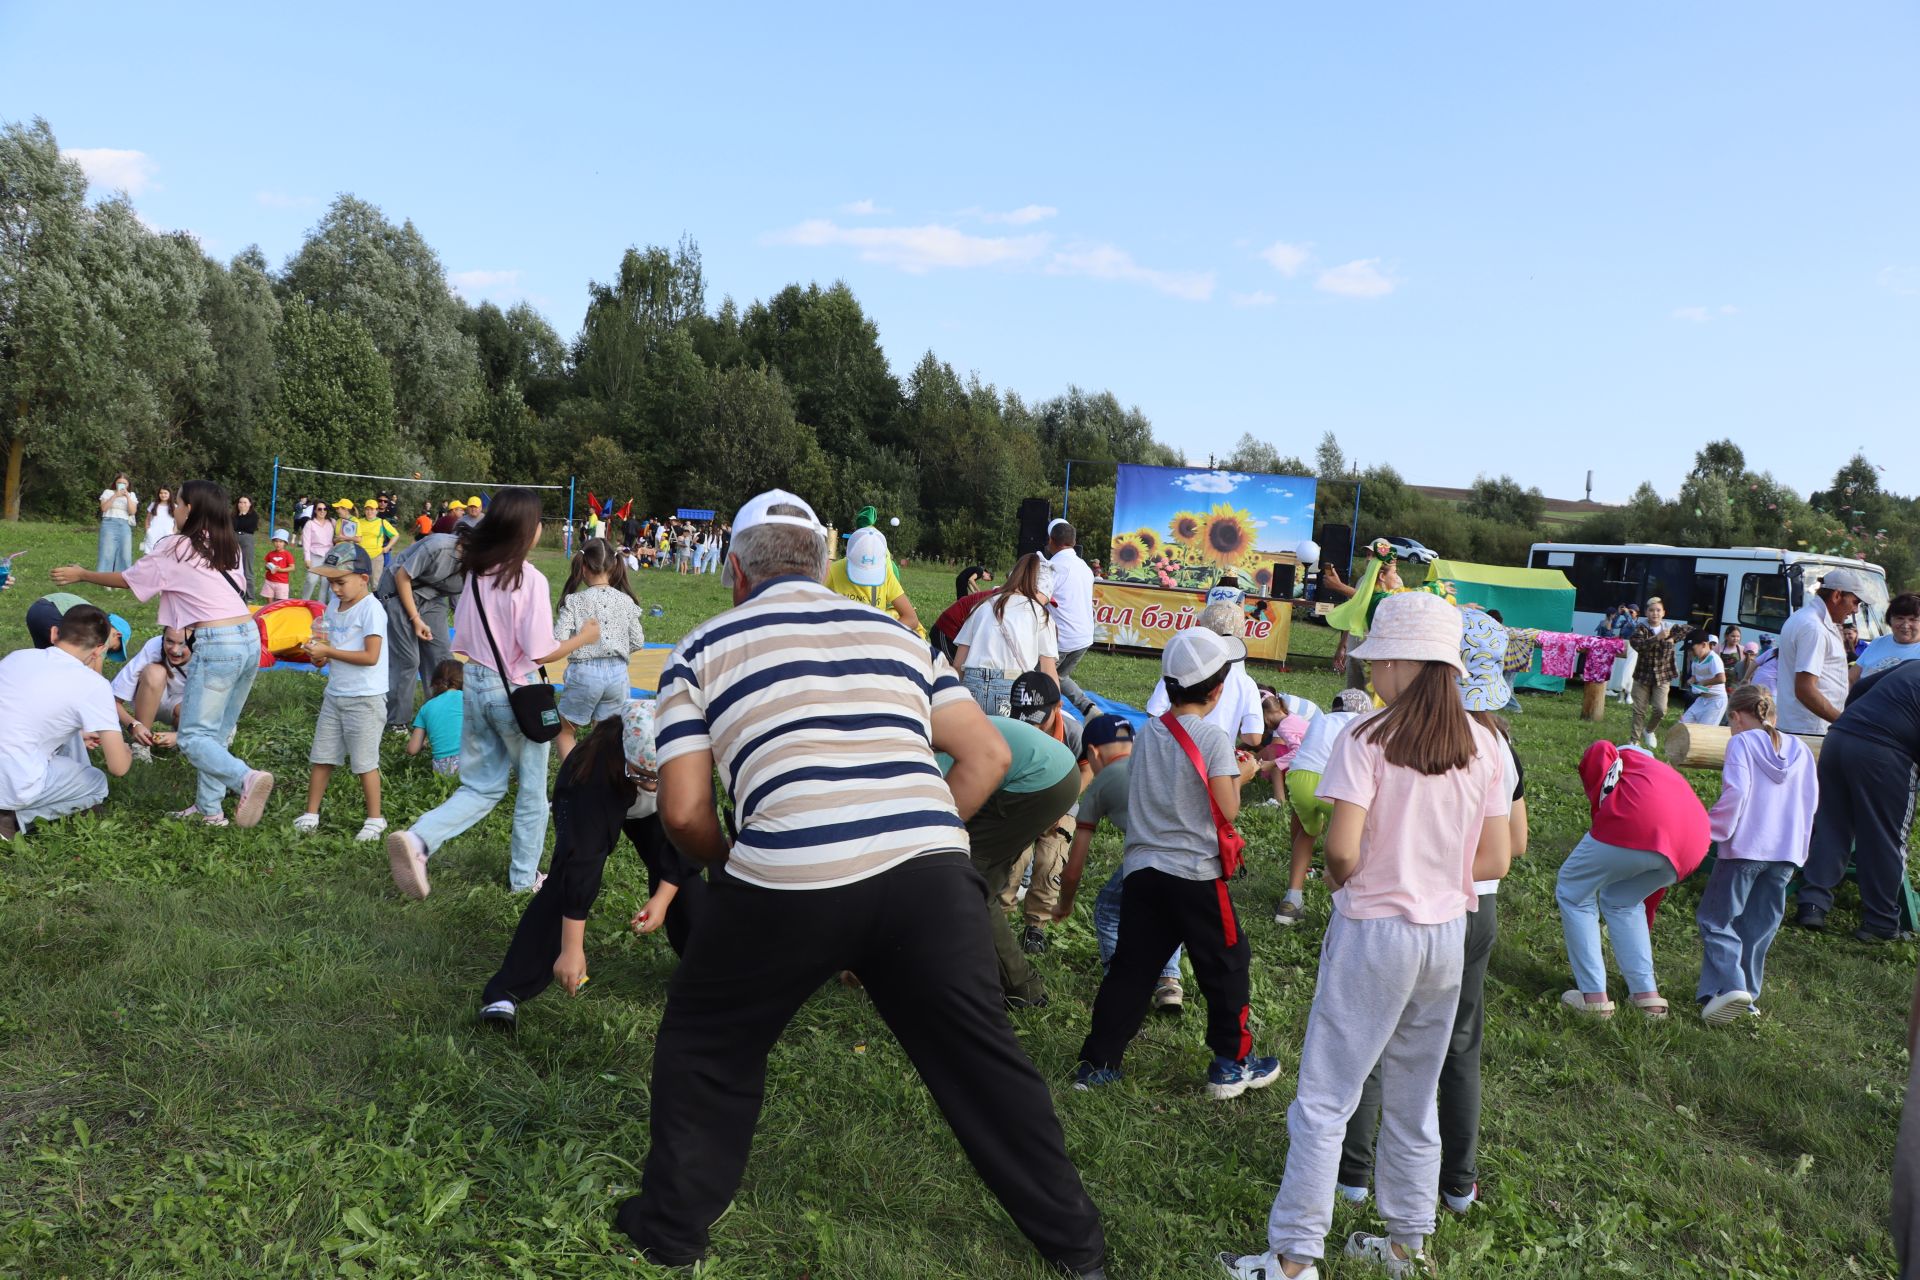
(1282, 585)
(1035, 515)
(1336, 549)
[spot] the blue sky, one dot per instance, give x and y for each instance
(1533, 238)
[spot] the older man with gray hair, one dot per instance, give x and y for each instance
(823, 717)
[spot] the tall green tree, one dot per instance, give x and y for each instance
(336, 407)
(828, 354)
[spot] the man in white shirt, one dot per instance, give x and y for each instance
(1072, 607)
(56, 704)
(1813, 657)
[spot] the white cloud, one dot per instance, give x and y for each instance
(281, 200)
(475, 285)
(1108, 262)
(1285, 493)
(863, 209)
(1212, 481)
(1728, 309)
(1025, 215)
(1701, 315)
(1258, 298)
(114, 169)
(1361, 278)
(914, 249)
(1285, 258)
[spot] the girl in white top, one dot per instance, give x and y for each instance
(159, 520)
(118, 507)
(1008, 636)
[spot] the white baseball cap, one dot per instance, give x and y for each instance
(755, 512)
(1196, 653)
(867, 557)
(1850, 581)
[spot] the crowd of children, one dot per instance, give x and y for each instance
(1410, 779)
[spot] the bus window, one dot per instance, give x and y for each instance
(1601, 581)
(1671, 578)
(1764, 603)
(1709, 597)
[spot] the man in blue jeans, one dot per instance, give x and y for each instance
(1108, 741)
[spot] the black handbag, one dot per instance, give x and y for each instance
(535, 708)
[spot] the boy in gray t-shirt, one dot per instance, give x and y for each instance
(1175, 889)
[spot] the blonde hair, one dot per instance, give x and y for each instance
(1756, 700)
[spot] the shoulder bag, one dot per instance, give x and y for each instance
(535, 708)
(1232, 843)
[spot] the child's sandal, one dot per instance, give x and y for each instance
(1652, 1005)
(1578, 1002)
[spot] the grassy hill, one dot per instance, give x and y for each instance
(241, 1053)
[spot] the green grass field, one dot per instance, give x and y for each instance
(238, 1053)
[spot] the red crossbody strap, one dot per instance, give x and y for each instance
(1187, 744)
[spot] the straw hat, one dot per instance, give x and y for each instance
(1412, 626)
(1483, 651)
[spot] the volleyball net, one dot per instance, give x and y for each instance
(412, 485)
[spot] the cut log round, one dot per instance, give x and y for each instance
(1593, 702)
(1704, 746)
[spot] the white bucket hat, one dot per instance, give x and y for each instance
(1413, 626)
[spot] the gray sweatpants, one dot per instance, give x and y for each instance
(410, 660)
(1387, 993)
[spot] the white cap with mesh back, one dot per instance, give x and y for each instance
(1196, 653)
(756, 512)
(867, 558)
(1850, 581)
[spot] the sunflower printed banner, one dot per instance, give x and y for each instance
(1148, 617)
(1182, 527)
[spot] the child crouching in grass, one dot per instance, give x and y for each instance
(1308, 813)
(1762, 821)
(349, 644)
(1420, 813)
(1183, 789)
(609, 784)
(442, 717)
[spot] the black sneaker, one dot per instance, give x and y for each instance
(1036, 1001)
(1033, 940)
(1811, 917)
(1868, 936)
(500, 1014)
(9, 825)
(1098, 1271)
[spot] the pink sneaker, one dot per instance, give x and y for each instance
(253, 799)
(192, 814)
(407, 858)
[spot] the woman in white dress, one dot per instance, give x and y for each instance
(159, 520)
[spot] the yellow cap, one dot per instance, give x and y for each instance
(345, 502)
(370, 503)
(474, 501)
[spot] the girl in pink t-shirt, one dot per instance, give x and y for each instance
(196, 573)
(508, 595)
(1420, 807)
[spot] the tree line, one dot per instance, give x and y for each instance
(122, 347)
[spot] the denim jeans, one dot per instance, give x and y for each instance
(492, 750)
(1106, 926)
(1599, 879)
(116, 546)
(219, 677)
(991, 688)
(1739, 914)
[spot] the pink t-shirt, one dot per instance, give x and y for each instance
(190, 591)
(522, 623)
(1416, 852)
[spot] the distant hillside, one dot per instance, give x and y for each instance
(1559, 510)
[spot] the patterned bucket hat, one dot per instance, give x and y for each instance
(1483, 652)
(636, 736)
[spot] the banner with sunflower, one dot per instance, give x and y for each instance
(1182, 527)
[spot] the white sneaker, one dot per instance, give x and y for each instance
(307, 823)
(372, 829)
(1724, 1008)
(1379, 1251)
(1460, 1204)
(1649, 743)
(1352, 1195)
(1260, 1266)
(143, 753)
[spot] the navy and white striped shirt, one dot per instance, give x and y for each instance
(818, 713)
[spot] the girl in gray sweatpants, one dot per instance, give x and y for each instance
(1420, 806)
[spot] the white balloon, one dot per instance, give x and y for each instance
(895, 522)
(1308, 551)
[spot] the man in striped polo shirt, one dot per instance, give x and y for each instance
(823, 716)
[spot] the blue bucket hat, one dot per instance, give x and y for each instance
(1483, 652)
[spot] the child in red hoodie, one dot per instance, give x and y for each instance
(1649, 833)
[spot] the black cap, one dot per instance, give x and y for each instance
(1035, 695)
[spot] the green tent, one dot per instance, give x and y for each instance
(1537, 598)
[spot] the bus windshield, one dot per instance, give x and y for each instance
(1871, 620)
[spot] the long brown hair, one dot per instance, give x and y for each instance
(595, 558)
(1757, 701)
(1023, 581)
(600, 760)
(1425, 729)
(497, 546)
(207, 535)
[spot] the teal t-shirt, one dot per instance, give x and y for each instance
(1039, 759)
(444, 718)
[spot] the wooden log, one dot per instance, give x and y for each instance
(1704, 746)
(1593, 702)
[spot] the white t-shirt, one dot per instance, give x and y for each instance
(1510, 779)
(46, 697)
(1014, 643)
(127, 683)
(350, 629)
(123, 508)
(1810, 643)
(1072, 599)
(1237, 712)
(1316, 749)
(1704, 669)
